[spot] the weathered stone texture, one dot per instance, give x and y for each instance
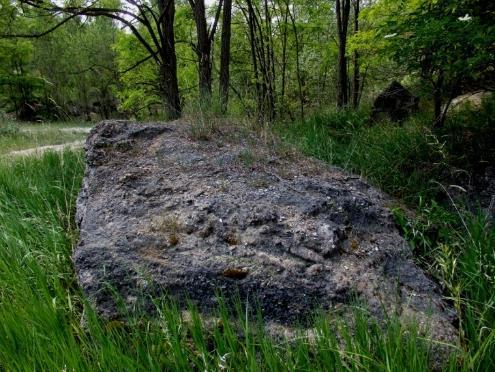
(160, 212)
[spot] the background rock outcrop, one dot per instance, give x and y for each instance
(162, 213)
(396, 102)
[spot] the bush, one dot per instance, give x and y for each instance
(8, 129)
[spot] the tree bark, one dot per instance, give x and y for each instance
(342, 10)
(284, 58)
(203, 47)
(261, 39)
(225, 56)
(250, 17)
(168, 68)
(270, 62)
(203, 50)
(438, 86)
(357, 74)
(298, 64)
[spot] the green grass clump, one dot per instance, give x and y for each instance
(459, 250)
(398, 159)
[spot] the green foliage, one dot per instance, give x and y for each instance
(458, 250)
(446, 43)
(139, 85)
(18, 85)
(69, 72)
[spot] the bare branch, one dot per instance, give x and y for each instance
(215, 23)
(137, 64)
(43, 33)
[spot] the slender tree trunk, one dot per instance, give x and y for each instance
(357, 73)
(284, 58)
(342, 10)
(270, 63)
(252, 38)
(203, 50)
(168, 68)
(225, 56)
(298, 64)
(438, 100)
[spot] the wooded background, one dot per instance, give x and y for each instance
(268, 59)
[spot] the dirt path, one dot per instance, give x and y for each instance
(38, 151)
(84, 130)
(77, 130)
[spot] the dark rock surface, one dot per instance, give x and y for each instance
(160, 212)
(396, 102)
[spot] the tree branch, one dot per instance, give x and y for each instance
(215, 23)
(43, 33)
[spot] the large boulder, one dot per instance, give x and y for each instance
(473, 100)
(396, 102)
(160, 212)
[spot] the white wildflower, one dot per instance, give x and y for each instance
(466, 18)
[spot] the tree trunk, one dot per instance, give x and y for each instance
(342, 10)
(438, 100)
(169, 86)
(284, 59)
(203, 51)
(270, 63)
(357, 73)
(250, 18)
(225, 56)
(298, 64)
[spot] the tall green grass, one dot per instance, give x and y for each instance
(45, 323)
(398, 159)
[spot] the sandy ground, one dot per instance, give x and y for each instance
(77, 130)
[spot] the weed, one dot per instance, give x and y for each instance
(169, 226)
(247, 157)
